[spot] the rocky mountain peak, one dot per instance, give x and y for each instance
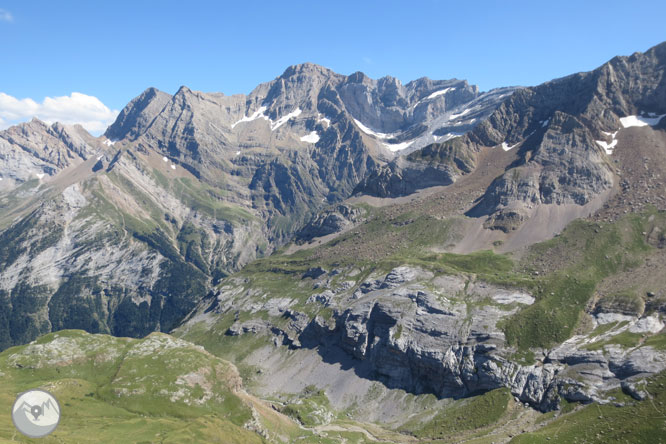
(359, 77)
(307, 69)
(138, 114)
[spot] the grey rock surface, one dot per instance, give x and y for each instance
(37, 151)
(329, 221)
(412, 330)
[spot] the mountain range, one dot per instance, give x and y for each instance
(363, 250)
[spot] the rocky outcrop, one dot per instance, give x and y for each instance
(402, 177)
(138, 115)
(561, 129)
(333, 220)
(108, 248)
(422, 333)
(565, 166)
(562, 133)
(36, 151)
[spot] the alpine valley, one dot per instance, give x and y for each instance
(339, 259)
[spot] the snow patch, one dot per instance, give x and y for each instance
(390, 146)
(109, 142)
(173, 167)
(237, 153)
(445, 137)
(367, 130)
(282, 120)
(506, 147)
(439, 93)
(40, 175)
(313, 137)
(455, 116)
(165, 159)
(397, 146)
(630, 121)
(608, 147)
(545, 123)
(258, 114)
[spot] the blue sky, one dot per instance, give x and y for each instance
(111, 51)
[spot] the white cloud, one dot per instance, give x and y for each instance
(6, 16)
(88, 111)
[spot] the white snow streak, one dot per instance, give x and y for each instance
(439, 93)
(455, 116)
(608, 147)
(445, 137)
(390, 146)
(397, 146)
(282, 120)
(367, 130)
(313, 137)
(258, 114)
(506, 147)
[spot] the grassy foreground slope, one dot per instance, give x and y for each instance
(119, 390)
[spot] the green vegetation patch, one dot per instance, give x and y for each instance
(552, 319)
(209, 200)
(657, 341)
(626, 339)
(636, 422)
(625, 302)
(122, 390)
(311, 408)
(590, 252)
(464, 415)
(481, 262)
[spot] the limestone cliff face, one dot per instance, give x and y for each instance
(562, 133)
(560, 130)
(113, 252)
(34, 150)
(420, 332)
(303, 140)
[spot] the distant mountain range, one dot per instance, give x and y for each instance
(182, 190)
